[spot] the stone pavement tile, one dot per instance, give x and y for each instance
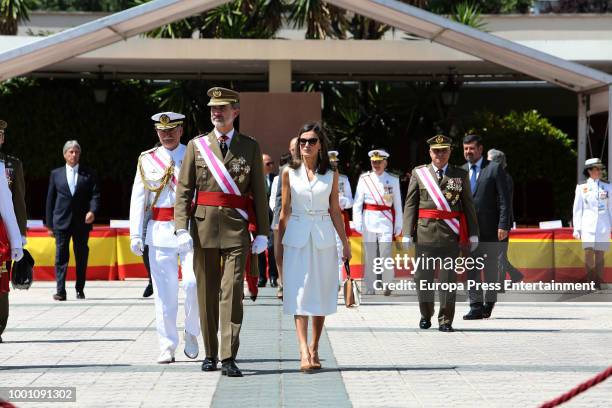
(525, 355)
(269, 359)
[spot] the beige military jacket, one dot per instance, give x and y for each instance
(221, 227)
(456, 187)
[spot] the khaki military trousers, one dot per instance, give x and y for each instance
(425, 276)
(219, 276)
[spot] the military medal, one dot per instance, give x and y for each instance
(388, 196)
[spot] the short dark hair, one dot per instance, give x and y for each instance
(285, 158)
(323, 162)
(467, 139)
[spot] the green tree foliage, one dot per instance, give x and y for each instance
(536, 152)
(11, 13)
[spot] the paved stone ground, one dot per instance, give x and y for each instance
(374, 355)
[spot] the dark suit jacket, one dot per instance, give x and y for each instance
(65, 211)
(492, 200)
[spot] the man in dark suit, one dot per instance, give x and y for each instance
(489, 186)
(72, 202)
(268, 262)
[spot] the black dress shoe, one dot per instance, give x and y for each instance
(487, 309)
(80, 294)
(474, 314)
(148, 291)
(209, 364)
(229, 368)
(446, 328)
(516, 276)
(59, 297)
(261, 283)
(273, 283)
(424, 323)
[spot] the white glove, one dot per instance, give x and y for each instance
(473, 242)
(16, 254)
(407, 242)
(137, 246)
(576, 234)
(260, 244)
(185, 242)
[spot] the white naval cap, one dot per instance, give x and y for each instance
(167, 120)
(333, 156)
(594, 162)
(378, 155)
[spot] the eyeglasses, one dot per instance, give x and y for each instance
(313, 141)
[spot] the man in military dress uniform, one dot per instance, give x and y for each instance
(154, 190)
(223, 172)
(16, 183)
(346, 201)
(377, 215)
(440, 216)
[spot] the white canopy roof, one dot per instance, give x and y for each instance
(107, 30)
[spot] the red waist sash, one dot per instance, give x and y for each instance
(162, 213)
(5, 243)
(220, 199)
(447, 215)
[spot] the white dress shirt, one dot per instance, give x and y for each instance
(72, 175)
(229, 135)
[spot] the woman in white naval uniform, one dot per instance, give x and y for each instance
(155, 188)
(309, 215)
(593, 219)
(8, 218)
(377, 215)
(345, 195)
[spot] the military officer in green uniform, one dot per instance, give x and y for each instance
(16, 183)
(223, 172)
(440, 217)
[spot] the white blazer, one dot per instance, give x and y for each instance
(310, 210)
(7, 212)
(372, 189)
(592, 211)
(159, 233)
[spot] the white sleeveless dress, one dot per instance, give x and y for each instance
(310, 259)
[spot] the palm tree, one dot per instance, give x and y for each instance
(321, 20)
(12, 12)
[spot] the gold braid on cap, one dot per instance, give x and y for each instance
(163, 181)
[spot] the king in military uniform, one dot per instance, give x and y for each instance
(154, 190)
(377, 215)
(439, 215)
(223, 172)
(16, 184)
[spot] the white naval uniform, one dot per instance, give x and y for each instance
(377, 227)
(346, 202)
(592, 214)
(7, 212)
(163, 255)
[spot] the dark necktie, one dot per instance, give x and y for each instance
(473, 178)
(440, 175)
(223, 145)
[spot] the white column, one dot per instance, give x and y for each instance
(582, 135)
(279, 76)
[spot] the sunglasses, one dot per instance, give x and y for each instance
(313, 141)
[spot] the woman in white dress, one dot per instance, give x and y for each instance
(310, 213)
(593, 219)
